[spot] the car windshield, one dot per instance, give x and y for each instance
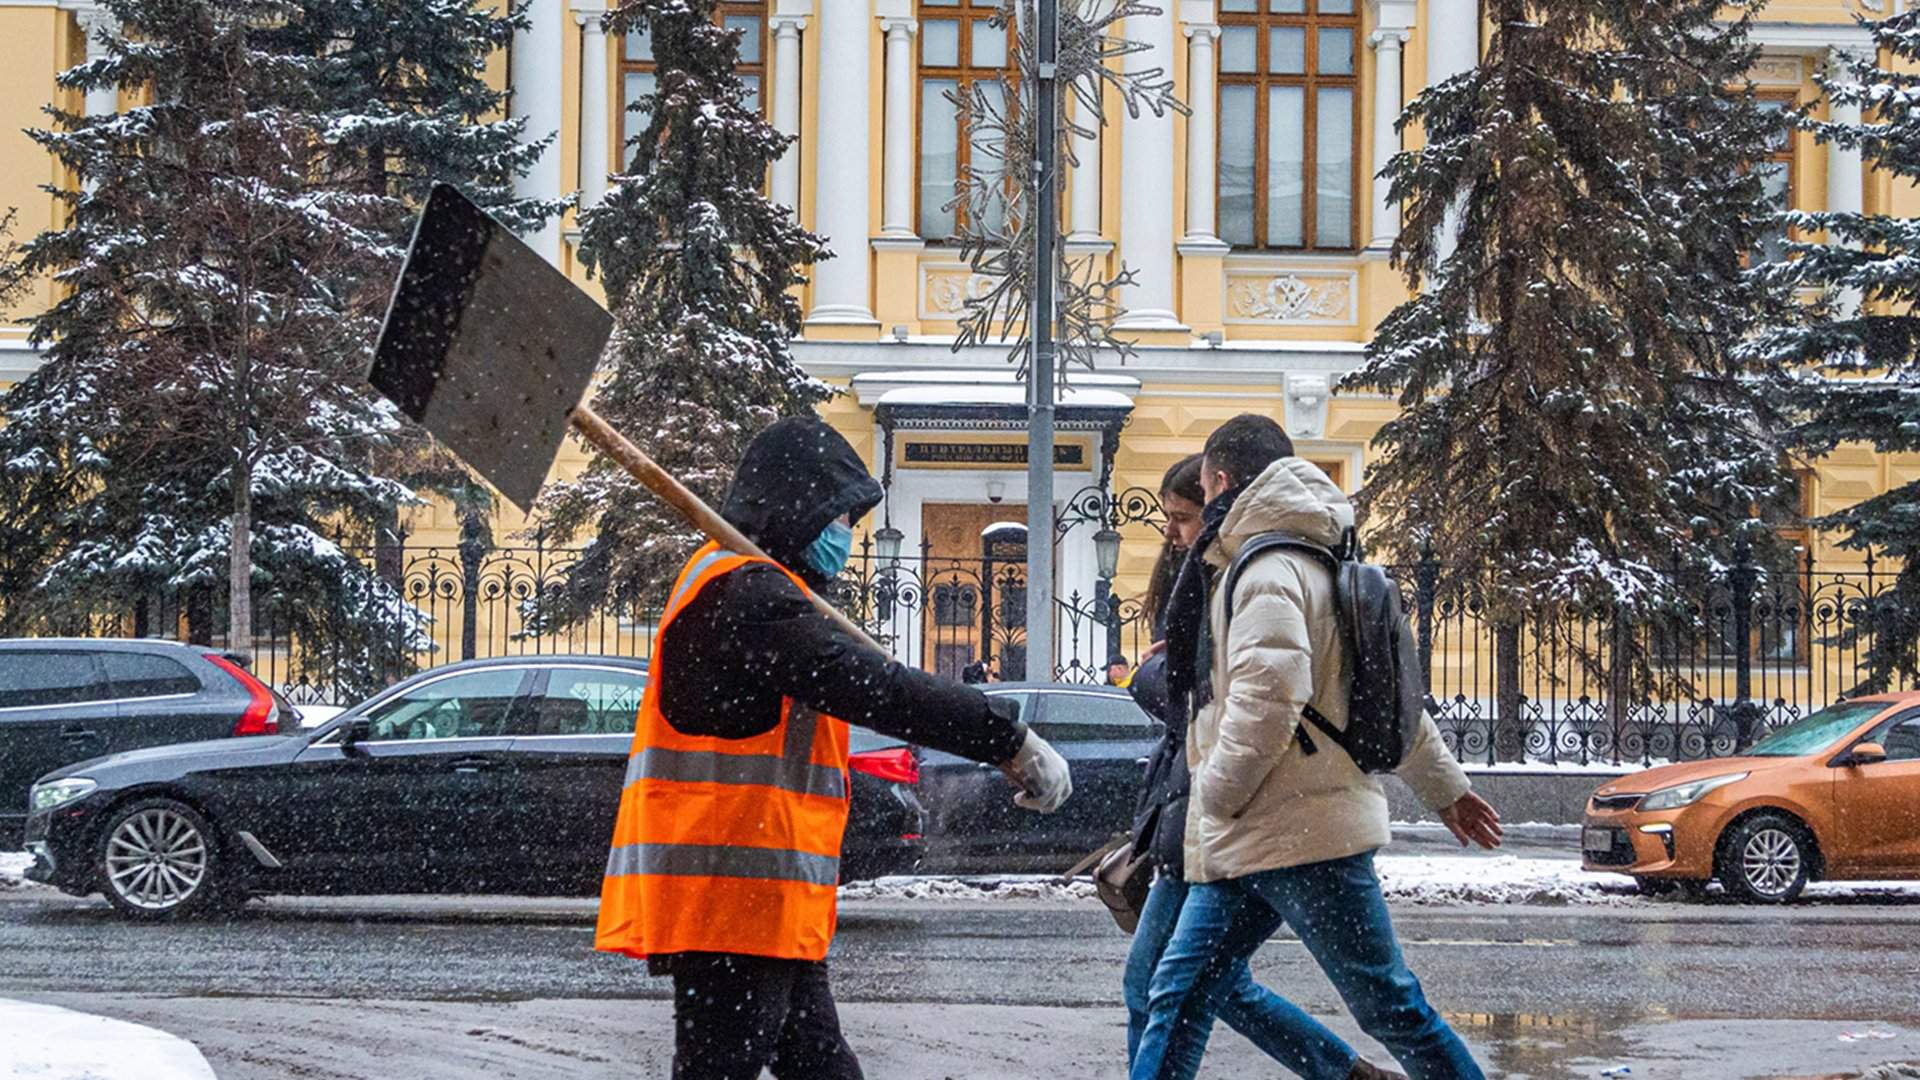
(1815, 733)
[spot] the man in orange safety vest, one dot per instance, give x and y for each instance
(726, 852)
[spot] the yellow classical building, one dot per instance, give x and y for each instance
(1256, 228)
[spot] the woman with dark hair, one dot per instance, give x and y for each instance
(1271, 1022)
(1181, 499)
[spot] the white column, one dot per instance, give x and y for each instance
(596, 118)
(1085, 181)
(841, 284)
(1846, 178)
(786, 106)
(534, 73)
(896, 197)
(1202, 155)
(1146, 189)
(1386, 139)
(101, 100)
(1453, 47)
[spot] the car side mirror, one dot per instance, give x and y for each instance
(1867, 753)
(356, 730)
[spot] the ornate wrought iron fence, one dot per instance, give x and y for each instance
(1757, 649)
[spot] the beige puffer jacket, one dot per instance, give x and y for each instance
(1259, 802)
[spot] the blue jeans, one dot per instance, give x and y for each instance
(1272, 1023)
(1337, 910)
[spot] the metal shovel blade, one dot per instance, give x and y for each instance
(487, 345)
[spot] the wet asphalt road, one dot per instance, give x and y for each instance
(1595, 983)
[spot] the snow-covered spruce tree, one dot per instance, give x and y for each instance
(1575, 426)
(406, 104)
(198, 426)
(698, 266)
(1860, 345)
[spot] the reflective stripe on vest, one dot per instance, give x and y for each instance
(791, 770)
(713, 860)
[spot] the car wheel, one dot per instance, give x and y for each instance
(1766, 859)
(159, 859)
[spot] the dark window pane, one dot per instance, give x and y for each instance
(1333, 170)
(1239, 49)
(940, 43)
(473, 705)
(989, 45)
(955, 605)
(1237, 149)
(1286, 165)
(939, 157)
(131, 675)
(639, 44)
(1902, 740)
(749, 27)
(581, 701)
(48, 678)
(1336, 51)
(1287, 50)
(1089, 717)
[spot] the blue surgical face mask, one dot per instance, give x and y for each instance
(830, 550)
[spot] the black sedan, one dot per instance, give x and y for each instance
(497, 776)
(69, 699)
(972, 824)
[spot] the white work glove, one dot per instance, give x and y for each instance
(1044, 780)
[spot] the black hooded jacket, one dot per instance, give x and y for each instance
(751, 638)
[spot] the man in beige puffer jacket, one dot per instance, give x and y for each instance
(1282, 827)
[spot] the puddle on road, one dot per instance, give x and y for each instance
(1664, 1046)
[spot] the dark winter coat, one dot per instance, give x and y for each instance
(1160, 814)
(751, 637)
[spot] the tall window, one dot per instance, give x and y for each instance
(959, 47)
(637, 70)
(1288, 126)
(1776, 171)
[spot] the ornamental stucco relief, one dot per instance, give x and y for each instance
(1291, 296)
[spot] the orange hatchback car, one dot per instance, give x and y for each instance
(1835, 795)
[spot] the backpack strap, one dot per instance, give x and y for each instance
(1254, 548)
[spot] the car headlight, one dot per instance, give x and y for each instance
(59, 792)
(1673, 798)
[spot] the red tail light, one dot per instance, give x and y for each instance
(262, 716)
(893, 766)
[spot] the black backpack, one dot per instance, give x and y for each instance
(1387, 691)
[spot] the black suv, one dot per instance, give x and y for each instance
(64, 700)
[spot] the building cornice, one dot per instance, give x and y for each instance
(1263, 364)
(1811, 39)
(18, 359)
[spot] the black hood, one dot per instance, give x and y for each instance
(795, 478)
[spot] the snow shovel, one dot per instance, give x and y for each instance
(491, 349)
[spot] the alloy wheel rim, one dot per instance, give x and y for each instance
(1771, 861)
(156, 859)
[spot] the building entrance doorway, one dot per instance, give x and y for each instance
(976, 580)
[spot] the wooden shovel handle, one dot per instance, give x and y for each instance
(701, 516)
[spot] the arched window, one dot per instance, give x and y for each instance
(637, 70)
(1288, 123)
(959, 47)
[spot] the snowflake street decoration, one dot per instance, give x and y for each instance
(996, 191)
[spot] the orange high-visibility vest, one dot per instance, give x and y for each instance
(726, 845)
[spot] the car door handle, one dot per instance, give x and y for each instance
(1143, 762)
(472, 764)
(77, 734)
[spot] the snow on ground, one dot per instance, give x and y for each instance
(48, 1043)
(1410, 879)
(13, 871)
